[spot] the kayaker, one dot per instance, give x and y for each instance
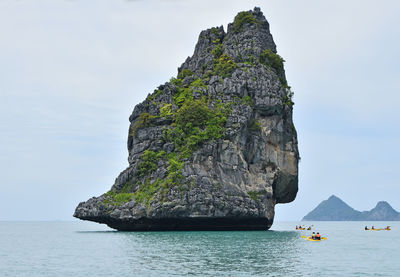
(373, 228)
(309, 228)
(313, 235)
(318, 236)
(366, 228)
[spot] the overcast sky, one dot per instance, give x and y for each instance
(71, 73)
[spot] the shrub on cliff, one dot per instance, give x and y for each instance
(243, 18)
(217, 51)
(185, 73)
(269, 58)
(149, 162)
(143, 121)
(192, 114)
(224, 66)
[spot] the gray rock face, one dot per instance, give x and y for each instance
(382, 212)
(214, 148)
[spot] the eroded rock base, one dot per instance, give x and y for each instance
(188, 224)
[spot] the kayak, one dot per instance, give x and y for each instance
(311, 239)
(379, 229)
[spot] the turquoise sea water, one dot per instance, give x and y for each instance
(88, 249)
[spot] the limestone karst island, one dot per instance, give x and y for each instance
(214, 148)
(335, 209)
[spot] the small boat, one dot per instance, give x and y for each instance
(300, 228)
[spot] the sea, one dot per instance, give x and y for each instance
(79, 248)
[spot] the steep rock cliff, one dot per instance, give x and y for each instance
(214, 148)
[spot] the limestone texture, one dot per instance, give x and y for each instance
(214, 148)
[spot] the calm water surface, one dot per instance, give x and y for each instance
(89, 249)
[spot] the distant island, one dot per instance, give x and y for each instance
(335, 209)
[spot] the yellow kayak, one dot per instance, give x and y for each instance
(311, 239)
(379, 229)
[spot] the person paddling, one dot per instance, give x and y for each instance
(318, 236)
(366, 228)
(313, 235)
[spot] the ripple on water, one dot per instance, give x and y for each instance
(84, 249)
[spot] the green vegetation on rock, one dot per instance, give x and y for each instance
(155, 94)
(185, 73)
(224, 66)
(255, 194)
(146, 191)
(191, 115)
(247, 100)
(143, 121)
(273, 60)
(117, 199)
(149, 162)
(174, 169)
(198, 86)
(194, 122)
(243, 18)
(215, 31)
(218, 50)
(127, 187)
(166, 110)
(287, 99)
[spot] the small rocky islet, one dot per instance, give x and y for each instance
(214, 148)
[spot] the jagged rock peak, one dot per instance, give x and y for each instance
(247, 37)
(214, 148)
